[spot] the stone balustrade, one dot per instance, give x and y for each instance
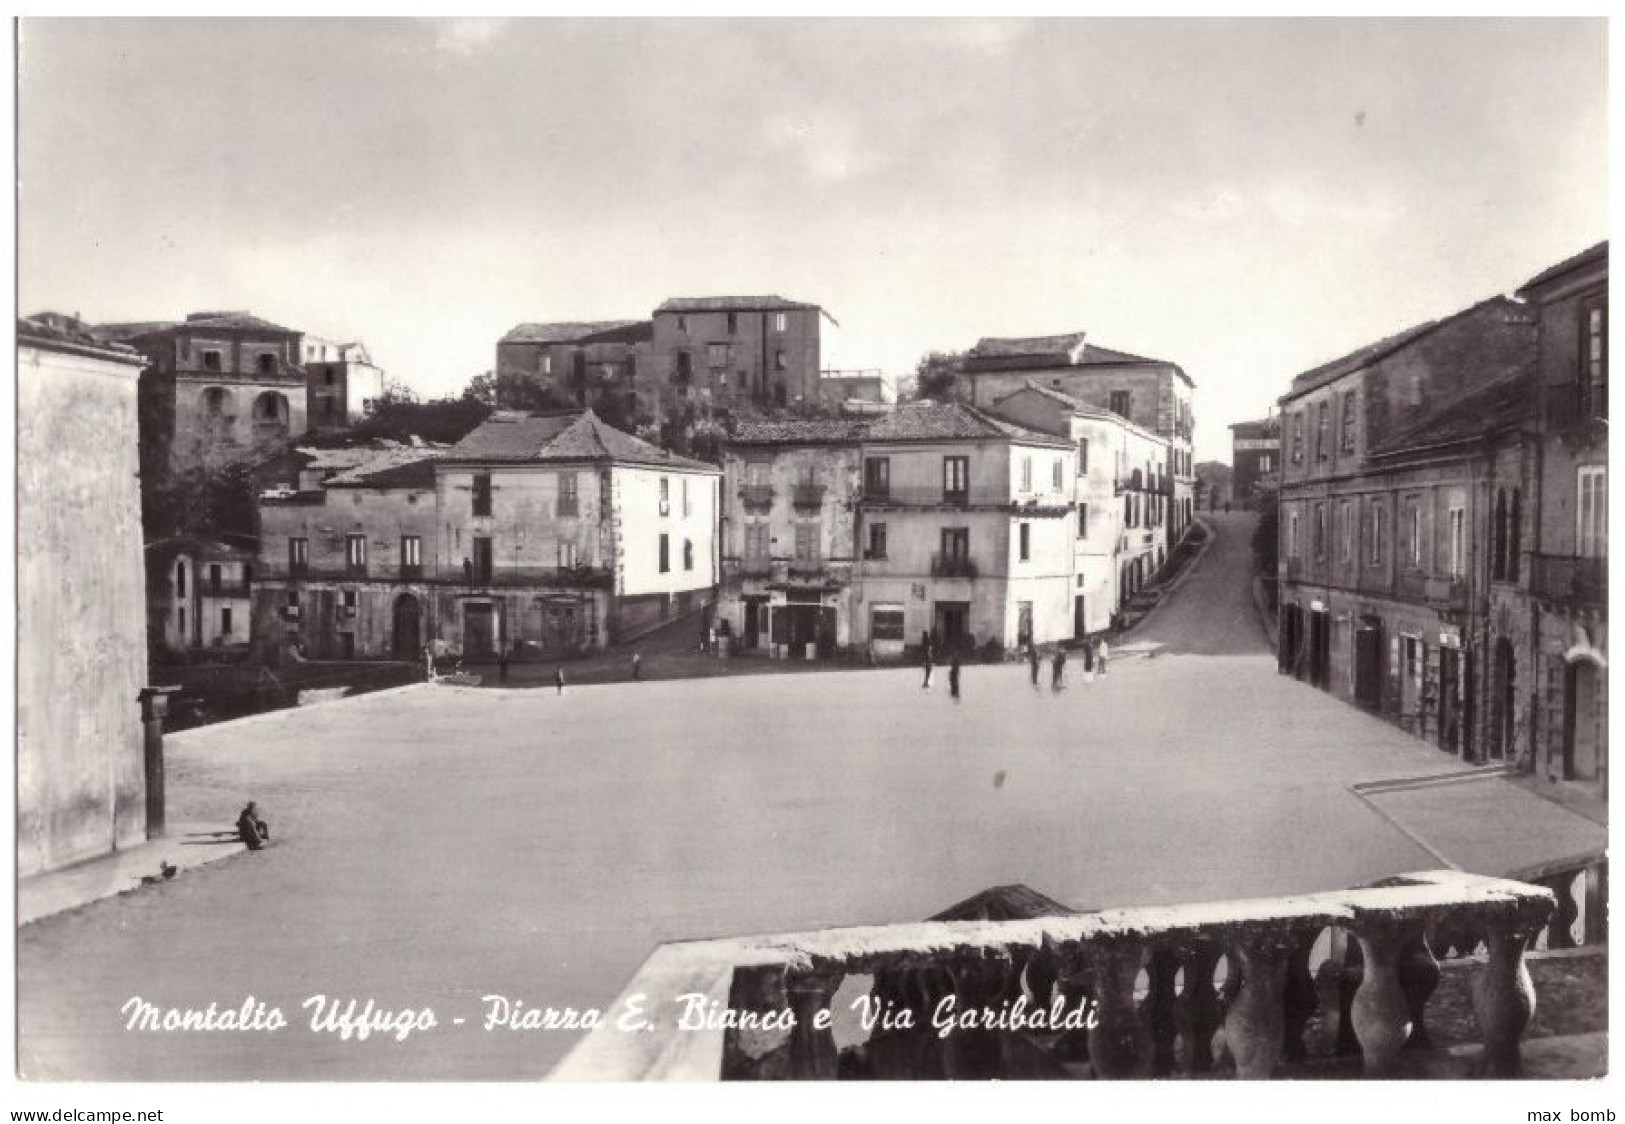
(1199, 990)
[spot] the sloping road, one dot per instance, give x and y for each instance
(1211, 612)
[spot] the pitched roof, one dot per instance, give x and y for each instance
(1597, 253)
(129, 330)
(989, 346)
(581, 331)
(1263, 427)
(513, 437)
(769, 303)
(951, 421)
(204, 321)
(403, 467)
(1078, 405)
(1500, 405)
(1047, 352)
(800, 431)
(58, 332)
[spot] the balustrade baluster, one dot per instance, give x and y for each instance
(1504, 998)
(1560, 933)
(1157, 1009)
(1118, 1041)
(812, 1048)
(1298, 1001)
(1198, 1012)
(1380, 1014)
(1351, 976)
(1076, 985)
(979, 985)
(1254, 1021)
(757, 1054)
(1418, 977)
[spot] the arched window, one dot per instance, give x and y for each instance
(1515, 536)
(271, 408)
(1498, 551)
(180, 579)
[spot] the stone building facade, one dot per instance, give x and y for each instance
(1154, 394)
(1255, 459)
(341, 383)
(198, 596)
(81, 605)
(1399, 522)
(1560, 661)
(588, 362)
(219, 387)
(720, 352)
(546, 533)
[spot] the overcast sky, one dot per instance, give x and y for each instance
(1244, 198)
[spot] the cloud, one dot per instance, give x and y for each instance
(464, 37)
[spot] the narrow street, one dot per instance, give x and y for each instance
(1211, 612)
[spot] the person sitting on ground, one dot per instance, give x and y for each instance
(253, 831)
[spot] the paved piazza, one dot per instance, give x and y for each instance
(440, 844)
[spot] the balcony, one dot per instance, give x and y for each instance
(1443, 592)
(1567, 579)
(807, 497)
(1064, 988)
(952, 566)
(756, 497)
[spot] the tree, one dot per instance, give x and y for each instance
(937, 376)
(1267, 535)
(218, 502)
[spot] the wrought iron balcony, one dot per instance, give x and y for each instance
(952, 566)
(807, 497)
(1569, 579)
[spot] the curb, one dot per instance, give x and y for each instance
(1173, 586)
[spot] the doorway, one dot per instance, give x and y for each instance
(1080, 618)
(951, 623)
(1505, 686)
(1582, 748)
(407, 640)
(1450, 700)
(1368, 665)
(754, 608)
(1320, 648)
(479, 630)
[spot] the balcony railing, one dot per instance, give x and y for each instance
(807, 497)
(1569, 579)
(952, 566)
(756, 497)
(1066, 986)
(1443, 590)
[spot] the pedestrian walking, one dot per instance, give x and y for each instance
(502, 665)
(1057, 669)
(637, 666)
(1032, 660)
(1101, 652)
(558, 679)
(953, 674)
(1088, 657)
(928, 657)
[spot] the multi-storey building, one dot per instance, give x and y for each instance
(81, 788)
(943, 519)
(552, 532)
(1555, 673)
(198, 595)
(341, 382)
(219, 387)
(725, 351)
(1152, 393)
(1255, 459)
(789, 535)
(1397, 460)
(1124, 493)
(590, 363)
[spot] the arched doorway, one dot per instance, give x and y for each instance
(1582, 742)
(271, 417)
(408, 634)
(1504, 686)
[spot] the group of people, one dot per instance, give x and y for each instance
(1095, 653)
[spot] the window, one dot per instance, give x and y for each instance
(1458, 542)
(1345, 532)
(877, 542)
(482, 560)
(1413, 532)
(267, 362)
(685, 367)
(1297, 437)
(682, 323)
(1591, 537)
(686, 508)
(778, 361)
(1320, 531)
(1058, 477)
(1083, 456)
(180, 619)
(781, 322)
(225, 621)
(688, 554)
(877, 476)
(1120, 402)
(349, 602)
(956, 543)
(955, 479)
(665, 495)
(1265, 464)
(411, 553)
(293, 599)
(1374, 552)
(1515, 547)
(886, 622)
(757, 543)
(717, 355)
(211, 360)
(567, 555)
(1349, 414)
(180, 579)
(807, 542)
(1083, 521)
(355, 551)
(214, 577)
(733, 323)
(482, 493)
(1594, 357)
(1026, 474)
(1026, 539)
(1292, 535)
(547, 364)
(665, 554)
(569, 500)
(1498, 536)
(1322, 452)
(298, 555)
